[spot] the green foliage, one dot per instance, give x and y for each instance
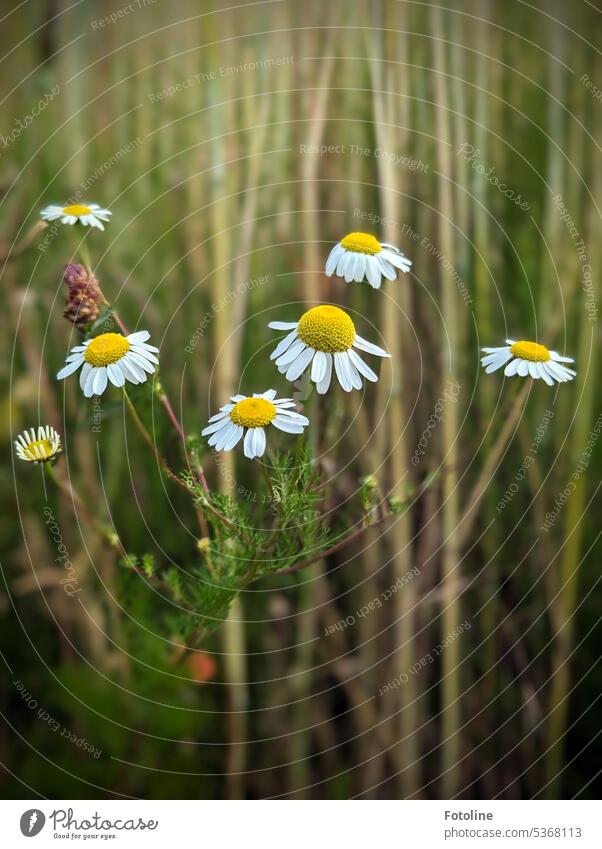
(248, 540)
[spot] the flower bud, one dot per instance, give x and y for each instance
(84, 296)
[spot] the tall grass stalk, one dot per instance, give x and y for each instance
(451, 603)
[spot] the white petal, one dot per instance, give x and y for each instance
(534, 370)
(140, 361)
(269, 395)
(546, 375)
(283, 345)
(100, 381)
(70, 368)
(225, 436)
(397, 259)
(234, 437)
(323, 386)
(282, 325)
(319, 366)
(342, 264)
(497, 364)
(115, 374)
(290, 415)
(364, 345)
(142, 351)
(83, 375)
(292, 353)
(340, 366)
(361, 366)
(511, 368)
(288, 426)
(139, 336)
(248, 444)
(495, 350)
(523, 368)
(373, 272)
(356, 380)
(333, 258)
(213, 428)
(132, 371)
(89, 385)
(300, 364)
(259, 441)
(386, 268)
(560, 359)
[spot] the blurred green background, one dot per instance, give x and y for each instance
(234, 147)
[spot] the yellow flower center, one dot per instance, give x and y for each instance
(326, 328)
(361, 243)
(530, 351)
(253, 412)
(44, 449)
(77, 209)
(106, 348)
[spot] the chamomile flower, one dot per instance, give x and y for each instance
(360, 256)
(249, 417)
(528, 359)
(324, 336)
(111, 357)
(88, 214)
(40, 447)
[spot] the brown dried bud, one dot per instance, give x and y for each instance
(84, 297)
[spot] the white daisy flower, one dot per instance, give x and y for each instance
(528, 359)
(324, 336)
(253, 415)
(360, 256)
(88, 214)
(40, 448)
(113, 357)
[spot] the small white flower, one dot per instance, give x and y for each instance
(111, 357)
(253, 415)
(528, 359)
(324, 336)
(40, 448)
(88, 214)
(360, 256)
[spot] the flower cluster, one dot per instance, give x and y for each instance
(322, 340)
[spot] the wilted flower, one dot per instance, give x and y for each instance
(111, 357)
(324, 335)
(40, 448)
(88, 214)
(226, 428)
(84, 296)
(528, 359)
(360, 256)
